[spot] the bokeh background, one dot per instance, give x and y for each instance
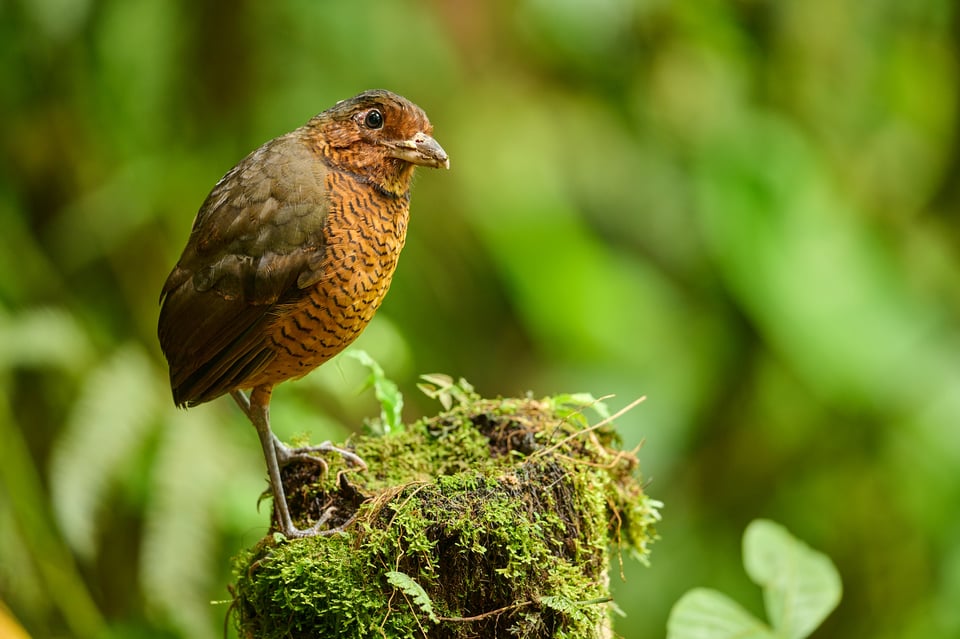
(745, 210)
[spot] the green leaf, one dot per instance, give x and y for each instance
(43, 337)
(105, 429)
(800, 585)
(386, 391)
(703, 613)
(581, 401)
(443, 389)
(194, 465)
(437, 386)
(800, 588)
(405, 583)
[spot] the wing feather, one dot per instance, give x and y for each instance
(257, 237)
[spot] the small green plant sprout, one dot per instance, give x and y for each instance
(386, 392)
(405, 583)
(447, 391)
(800, 588)
(578, 402)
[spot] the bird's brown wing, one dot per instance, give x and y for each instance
(257, 242)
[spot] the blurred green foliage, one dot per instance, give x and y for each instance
(801, 587)
(745, 210)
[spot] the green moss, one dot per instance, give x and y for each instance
(491, 519)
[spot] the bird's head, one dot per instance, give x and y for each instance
(380, 136)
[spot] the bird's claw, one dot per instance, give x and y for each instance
(314, 530)
(287, 455)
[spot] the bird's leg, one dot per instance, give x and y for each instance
(242, 402)
(286, 454)
(257, 409)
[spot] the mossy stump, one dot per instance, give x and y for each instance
(492, 519)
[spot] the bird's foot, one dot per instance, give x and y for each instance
(316, 529)
(286, 455)
(277, 455)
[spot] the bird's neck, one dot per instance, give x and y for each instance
(389, 176)
(391, 188)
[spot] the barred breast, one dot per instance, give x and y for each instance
(365, 231)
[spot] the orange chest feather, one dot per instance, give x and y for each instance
(364, 234)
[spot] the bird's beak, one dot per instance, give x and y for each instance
(420, 149)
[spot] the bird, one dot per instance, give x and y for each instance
(288, 259)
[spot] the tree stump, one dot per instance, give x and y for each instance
(491, 519)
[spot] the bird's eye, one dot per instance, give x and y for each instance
(373, 120)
